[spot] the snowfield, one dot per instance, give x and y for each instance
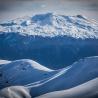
(49, 56)
(81, 76)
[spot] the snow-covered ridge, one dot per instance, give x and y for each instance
(20, 72)
(51, 25)
(85, 90)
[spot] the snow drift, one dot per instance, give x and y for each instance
(50, 39)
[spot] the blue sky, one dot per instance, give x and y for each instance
(10, 9)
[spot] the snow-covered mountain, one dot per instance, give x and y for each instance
(51, 25)
(52, 40)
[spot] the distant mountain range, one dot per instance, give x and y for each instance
(51, 25)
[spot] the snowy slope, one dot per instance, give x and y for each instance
(86, 90)
(76, 81)
(78, 73)
(21, 72)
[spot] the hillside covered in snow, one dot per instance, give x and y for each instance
(52, 40)
(75, 80)
(86, 90)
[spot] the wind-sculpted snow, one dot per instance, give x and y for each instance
(55, 41)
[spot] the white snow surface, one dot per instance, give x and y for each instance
(67, 81)
(78, 73)
(85, 90)
(15, 92)
(51, 25)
